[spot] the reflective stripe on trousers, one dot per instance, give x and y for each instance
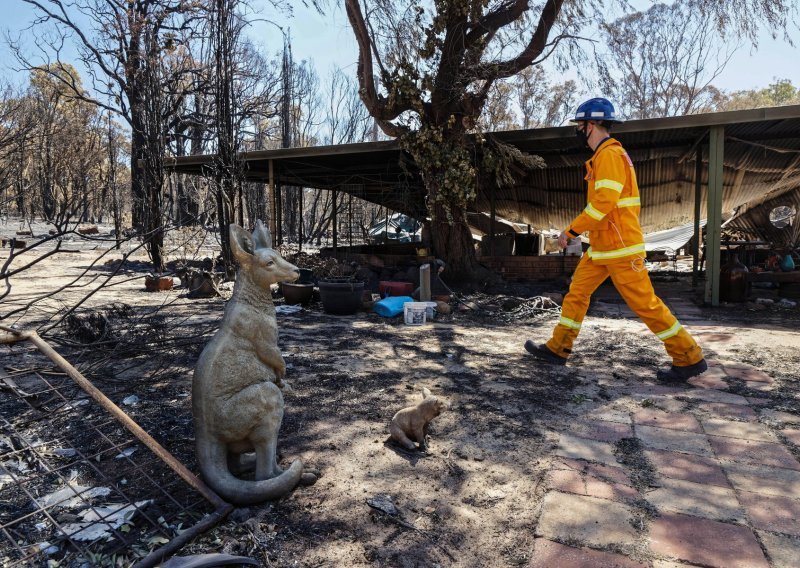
(637, 291)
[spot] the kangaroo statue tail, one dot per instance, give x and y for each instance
(212, 457)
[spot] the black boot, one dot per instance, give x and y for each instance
(678, 374)
(543, 353)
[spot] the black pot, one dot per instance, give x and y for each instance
(341, 297)
(295, 293)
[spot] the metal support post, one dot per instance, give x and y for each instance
(698, 188)
(334, 219)
(716, 153)
(492, 219)
(272, 206)
(279, 214)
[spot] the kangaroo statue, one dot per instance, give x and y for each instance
(237, 403)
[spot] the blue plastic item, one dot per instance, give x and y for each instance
(391, 306)
(787, 263)
(596, 109)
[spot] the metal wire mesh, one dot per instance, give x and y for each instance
(75, 485)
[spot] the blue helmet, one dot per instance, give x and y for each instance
(596, 109)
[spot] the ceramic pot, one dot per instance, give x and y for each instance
(733, 281)
(340, 297)
(296, 293)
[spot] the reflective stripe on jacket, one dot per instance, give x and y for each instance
(612, 213)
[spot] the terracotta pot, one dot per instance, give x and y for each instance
(157, 283)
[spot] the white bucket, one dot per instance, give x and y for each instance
(415, 312)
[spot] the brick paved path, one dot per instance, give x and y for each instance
(720, 486)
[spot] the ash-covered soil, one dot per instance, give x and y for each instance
(475, 498)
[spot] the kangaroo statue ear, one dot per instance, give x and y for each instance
(262, 236)
(241, 243)
(425, 393)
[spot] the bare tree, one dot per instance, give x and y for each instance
(16, 126)
(135, 52)
(346, 118)
(498, 112)
(541, 102)
(662, 62)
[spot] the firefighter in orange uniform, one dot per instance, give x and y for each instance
(617, 250)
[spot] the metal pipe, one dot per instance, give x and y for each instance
(119, 414)
(155, 557)
(300, 223)
(222, 508)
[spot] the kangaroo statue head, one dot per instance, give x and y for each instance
(261, 264)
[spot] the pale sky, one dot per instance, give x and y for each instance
(328, 41)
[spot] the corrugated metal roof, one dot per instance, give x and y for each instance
(762, 167)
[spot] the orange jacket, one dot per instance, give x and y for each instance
(612, 213)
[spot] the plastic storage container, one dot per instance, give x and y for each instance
(341, 297)
(390, 288)
(414, 313)
(391, 306)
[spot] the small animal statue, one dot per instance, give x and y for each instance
(237, 403)
(410, 424)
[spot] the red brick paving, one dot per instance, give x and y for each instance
(671, 420)
(752, 451)
(760, 387)
(604, 472)
(727, 468)
(710, 395)
(784, 551)
(749, 375)
(772, 513)
(736, 429)
(650, 390)
(723, 410)
(763, 479)
(674, 440)
(705, 382)
(549, 554)
(571, 481)
(687, 467)
(602, 431)
(706, 542)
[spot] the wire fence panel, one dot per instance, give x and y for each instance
(77, 484)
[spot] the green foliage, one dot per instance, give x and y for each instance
(499, 158)
(781, 92)
(446, 167)
(451, 164)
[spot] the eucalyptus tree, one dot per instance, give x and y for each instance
(426, 69)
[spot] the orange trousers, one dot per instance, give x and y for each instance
(636, 289)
